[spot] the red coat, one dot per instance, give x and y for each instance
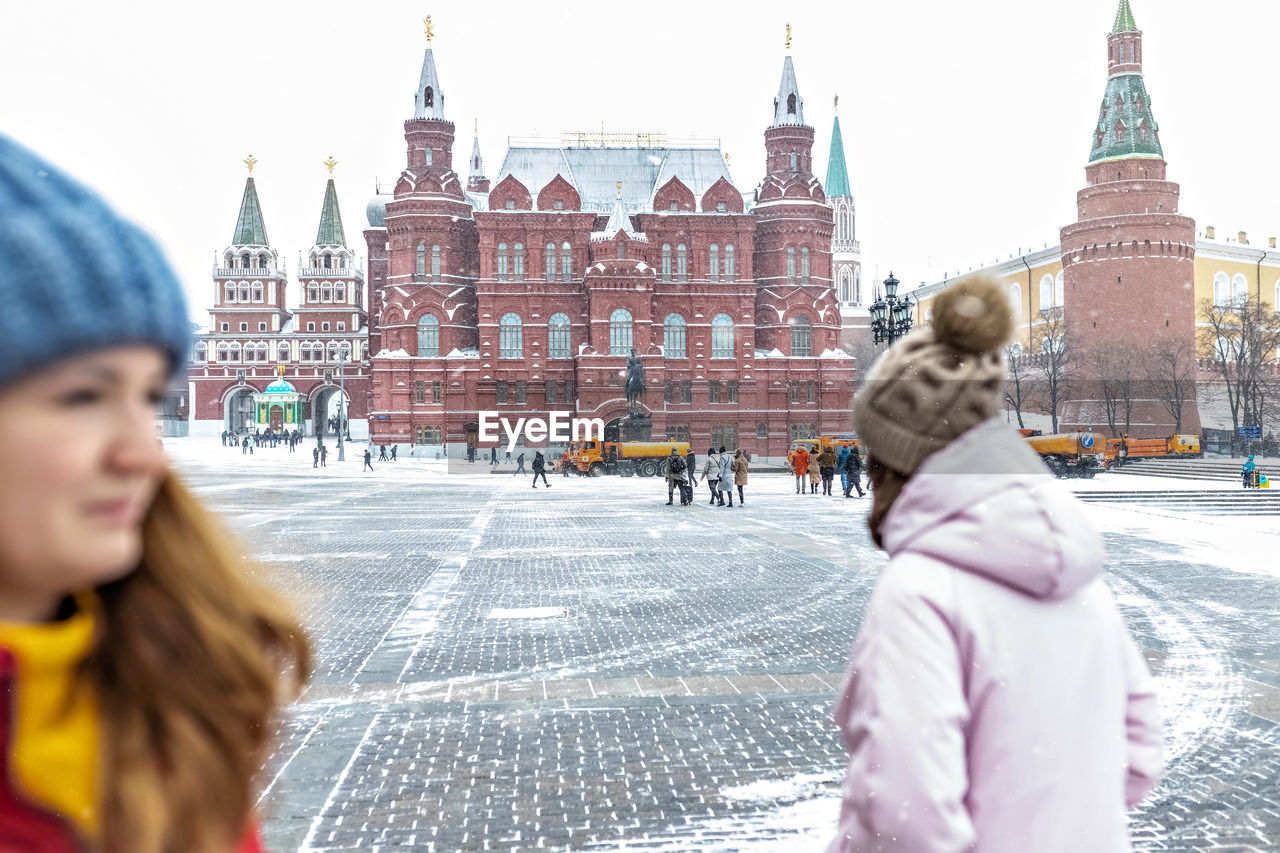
(28, 826)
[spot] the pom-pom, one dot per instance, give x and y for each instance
(973, 315)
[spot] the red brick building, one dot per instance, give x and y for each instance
(527, 295)
(254, 338)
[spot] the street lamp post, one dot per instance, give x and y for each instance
(891, 316)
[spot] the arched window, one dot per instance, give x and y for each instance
(429, 156)
(558, 339)
(1239, 290)
(1046, 293)
(282, 351)
(1015, 300)
(517, 263)
(435, 263)
(228, 292)
(326, 292)
(673, 336)
(620, 249)
(1221, 289)
(1120, 131)
(857, 286)
(428, 97)
(791, 265)
(682, 263)
(511, 336)
(620, 339)
(202, 352)
(566, 262)
(722, 336)
(222, 351)
(844, 285)
(1016, 350)
(502, 262)
(244, 260)
(333, 351)
(1058, 294)
(801, 336)
(804, 265)
(264, 261)
(714, 265)
(728, 263)
(339, 292)
(429, 336)
(244, 291)
(666, 262)
(791, 104)
(420, 269)
(257, 291)
(795, 166)
(313, 292)
(551, 261)
(328, 261)
(233, 351)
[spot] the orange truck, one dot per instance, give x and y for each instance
(1070, 454)
(1173, 447)
(596, 458)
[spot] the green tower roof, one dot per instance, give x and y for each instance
(837, 183)
(1126, 127)
(330, 233)
(250, 230)
(1124, 19)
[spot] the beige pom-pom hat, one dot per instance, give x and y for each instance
(937, 383)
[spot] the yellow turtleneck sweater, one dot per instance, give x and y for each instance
(54, 755)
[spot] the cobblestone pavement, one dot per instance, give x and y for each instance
(587, 668)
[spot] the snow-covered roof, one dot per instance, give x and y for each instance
(595, 172)
(469, 352)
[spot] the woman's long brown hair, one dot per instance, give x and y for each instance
(190, 667)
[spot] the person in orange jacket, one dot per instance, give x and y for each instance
(140, 672)
(800, 465)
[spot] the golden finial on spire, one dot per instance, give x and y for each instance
(250, 161)
(619, 189)
(426, 24)
(726, 158)
(330, 162)
(788, 37)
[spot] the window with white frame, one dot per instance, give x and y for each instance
(1058, 293)
(728, 263)
(429, 336)
(1239, 290)
(620, 332)
(1221, 289)
(673, 336)
(511, 336)
(722, 336)
(1015, 300)
(558, 336)
(801, 336)
(1046, 292)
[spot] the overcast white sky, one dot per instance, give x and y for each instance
(966, 125)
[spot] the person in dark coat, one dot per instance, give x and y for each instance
(675, 476)
(691, 474)
(540, 469)
(853, 473)
(393, 453)
(827, 469)
(368, 456)
(520, 466)
(324, 454)
(315, 457)
(382, 453)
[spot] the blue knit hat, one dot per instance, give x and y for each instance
(75, 275)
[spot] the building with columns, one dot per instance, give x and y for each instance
(256, 341)
(527, 295)
(1128, 277)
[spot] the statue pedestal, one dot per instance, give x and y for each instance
(637, 426)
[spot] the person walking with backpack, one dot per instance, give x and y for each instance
(994, 700)
(711, 474)
(675, 476)
(540, 469)
(853, 473)
(726, 476)
(142, 670)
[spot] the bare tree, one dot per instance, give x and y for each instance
(1173, 377)
(1017, 385)
(1114, 370)
(1053, 364)
(1242, 337)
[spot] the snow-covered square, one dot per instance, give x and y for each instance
(585, 667)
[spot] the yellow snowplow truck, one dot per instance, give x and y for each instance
(638, 458)
(1071, 454)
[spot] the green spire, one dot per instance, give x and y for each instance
(837, 183)
(1126, 127)
(250, 230)
(1124, 19)
(330, 233)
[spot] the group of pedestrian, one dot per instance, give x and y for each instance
(722, 472)
(818, 467)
